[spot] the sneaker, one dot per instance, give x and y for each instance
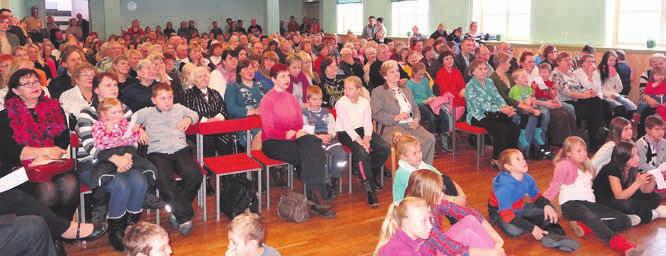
(661, 211)
(185, 228)
(635, 220)
(560, 242)
(372, 199)
(324, 212)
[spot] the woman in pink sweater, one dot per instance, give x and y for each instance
(284, 139)
(572, 180)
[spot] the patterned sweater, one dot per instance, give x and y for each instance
(105, 139)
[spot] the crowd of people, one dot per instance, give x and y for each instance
(129, 98)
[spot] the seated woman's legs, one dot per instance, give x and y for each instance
(308, 153)
(61, 194)
(503, 131)
(429, 117)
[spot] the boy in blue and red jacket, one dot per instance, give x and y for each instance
(517, 206)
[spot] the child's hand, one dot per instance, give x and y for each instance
(290, 134)
(184, 124)
(136, 129)
(143, 137)
(550, 214)
(538, 233)
(300, 133)
(536, 112)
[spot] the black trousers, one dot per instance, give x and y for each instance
(26, 235)
(372, 161)
(179, 197)
(591, 110)
(532, 214)
(640, 204)
(305, 152)
(17, 202)
(603, 220)
(502, 129)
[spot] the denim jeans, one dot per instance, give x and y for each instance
(127, 192)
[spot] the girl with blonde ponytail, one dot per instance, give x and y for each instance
(407, 226)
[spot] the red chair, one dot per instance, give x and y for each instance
(269, 163)
(227, 164)
(480, 134)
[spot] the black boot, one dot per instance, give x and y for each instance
(320, 207)
(133, 218)
(117, 232)
(332, 190)
(372, 196)
(100, 206)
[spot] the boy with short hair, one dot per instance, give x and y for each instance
(652, 146)
(165, 124)
(319, 122)
(517, 206)
(246, 234)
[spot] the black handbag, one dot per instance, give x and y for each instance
(238, 194)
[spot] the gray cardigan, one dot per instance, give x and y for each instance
(385, 106)
(642, 145)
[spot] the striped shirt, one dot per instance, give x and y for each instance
(87, 118)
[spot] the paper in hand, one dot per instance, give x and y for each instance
(658, 176)
(13, 179)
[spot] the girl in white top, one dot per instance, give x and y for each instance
(354, 126)
(572, 180)
(621, 130)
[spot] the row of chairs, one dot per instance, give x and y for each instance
(255, 161)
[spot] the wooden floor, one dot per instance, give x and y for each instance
(356, 228)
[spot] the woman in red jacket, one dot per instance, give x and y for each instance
(450, 80)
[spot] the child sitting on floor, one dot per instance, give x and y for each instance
(247, 234)
(471, 233)
(522, 92)
(409, 150)
(621, 186)
(572, 180)
(405, 229)
(652, 147)
(320, 122)
(515, 214)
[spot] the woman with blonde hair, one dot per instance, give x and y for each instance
(307, 67)
(120, 67)
(394, 108)
(35, 55)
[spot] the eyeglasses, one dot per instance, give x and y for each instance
(33, 83)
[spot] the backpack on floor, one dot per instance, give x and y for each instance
(293, 207)
(238, 194)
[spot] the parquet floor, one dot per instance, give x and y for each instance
(356, 228)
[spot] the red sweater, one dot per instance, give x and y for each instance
(451, 82)
(544, 94)
(280, 112)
